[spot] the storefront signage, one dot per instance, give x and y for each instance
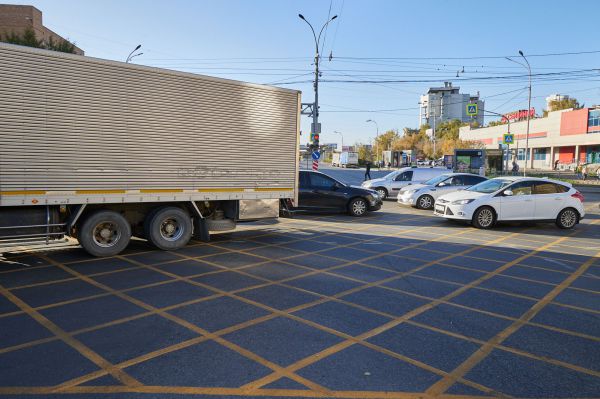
(518, 115)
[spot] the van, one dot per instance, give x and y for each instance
(390, 185)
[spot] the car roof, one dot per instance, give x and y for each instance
(529, 178)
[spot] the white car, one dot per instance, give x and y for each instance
(424, 195)
(514, 199)
(389, 185)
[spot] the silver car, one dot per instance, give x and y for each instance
(389, 185)
(424, 195)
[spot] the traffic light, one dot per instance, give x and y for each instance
(316, 137)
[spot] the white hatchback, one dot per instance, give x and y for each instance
(514, 199)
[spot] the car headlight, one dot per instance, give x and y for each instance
(463, 201)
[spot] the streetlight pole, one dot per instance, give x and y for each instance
(335, 131)
(315, 111)
(526, 65)
(130, 56)
(376, 141)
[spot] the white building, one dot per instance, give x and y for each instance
(442, 104)
(568, 136)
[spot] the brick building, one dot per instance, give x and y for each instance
(17, 19)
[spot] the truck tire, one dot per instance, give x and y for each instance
(220, 224)
(104, 233)
(168, 228)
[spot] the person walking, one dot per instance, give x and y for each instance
(515, 168)
(584, 171)
(578, 171)
(368, 171)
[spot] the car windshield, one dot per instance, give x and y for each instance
(391, 175)
(436, 180)
(489, 186)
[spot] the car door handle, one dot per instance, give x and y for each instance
(557, 199)
(528, 200)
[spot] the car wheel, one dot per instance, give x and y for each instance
(382, 192)
(168, 228)
(358, 207)
(484, 218)
(567, 218)
(104, 233)
(425, 202)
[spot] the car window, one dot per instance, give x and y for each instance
(546, 188)
(405, 176)
(472, 180)
(489, 186)
(304, 181)
(436, 180)
(522, 188)
(456, 181)
(320, 181)
(561, 189)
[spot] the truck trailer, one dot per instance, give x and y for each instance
(102, 151)
(345, 159)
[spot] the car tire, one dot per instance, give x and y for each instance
(484, 218)
(425, 202)
(168, 228)
(358, 207)
(104, 233)
(382, 191)
(567, 218)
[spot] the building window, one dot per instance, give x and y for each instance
(539, 154)
(594, 121)
(521, 154)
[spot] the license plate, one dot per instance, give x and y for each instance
(440, 208)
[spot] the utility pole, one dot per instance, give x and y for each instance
(526, 65)
(315, 128)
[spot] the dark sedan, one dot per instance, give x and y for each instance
(321, 193)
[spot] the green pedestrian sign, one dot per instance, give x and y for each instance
(472, 109)
(508, 138)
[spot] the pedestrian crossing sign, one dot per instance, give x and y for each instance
(471, 109)
(508, 138)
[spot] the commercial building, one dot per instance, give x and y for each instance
(442, 104)
(17, 19)
(568, 136)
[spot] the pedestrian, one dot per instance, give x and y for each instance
(368, 171)
(584, 171)
(515, 168)
(578, 171)
(556, 164)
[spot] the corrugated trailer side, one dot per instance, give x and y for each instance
(74, 128)
(103, 150)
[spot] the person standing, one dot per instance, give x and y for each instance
(584, 171)
(368, 171)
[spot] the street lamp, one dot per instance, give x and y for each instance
(376, 140)
(335, 131)
(315, 111)
(130, 56)
(526, 65)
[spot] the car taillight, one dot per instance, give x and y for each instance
(578, 195)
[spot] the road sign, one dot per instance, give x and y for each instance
(508, 138)
(315, 164)
(315, 128)
(316, 155)
(471, 109)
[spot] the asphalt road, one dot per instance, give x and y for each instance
(397, 304)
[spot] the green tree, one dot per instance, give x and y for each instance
(385, 140)
(29, 39)
(566, 103)
(365, 153)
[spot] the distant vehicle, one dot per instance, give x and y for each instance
(423, 196)
(345, 159)
(321, 193)
(391, 184)
(514, 199)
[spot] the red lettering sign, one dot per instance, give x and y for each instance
(518, 115)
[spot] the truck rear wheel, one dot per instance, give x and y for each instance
(104, 233)
(168, 228)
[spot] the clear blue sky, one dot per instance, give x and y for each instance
(264, 41)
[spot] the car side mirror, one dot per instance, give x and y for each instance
(508, 193)
(336, 186)
(442, 184)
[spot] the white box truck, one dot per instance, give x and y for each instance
(101, 150)
(345, 159)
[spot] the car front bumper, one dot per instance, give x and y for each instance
(449, 211)
(407, 199)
